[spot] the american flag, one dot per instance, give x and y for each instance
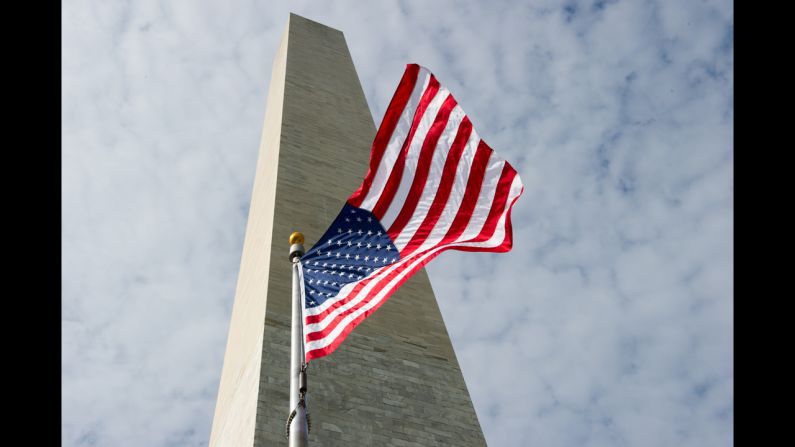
(433, 185)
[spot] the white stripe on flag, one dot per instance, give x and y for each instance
(410, 163)
(396, 141)
(434, 177)
(488, 187)
(456, 193)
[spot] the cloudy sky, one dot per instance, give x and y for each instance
(611, 319)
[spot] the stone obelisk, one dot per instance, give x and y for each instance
(395, 380)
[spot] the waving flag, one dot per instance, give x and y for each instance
(433, 185)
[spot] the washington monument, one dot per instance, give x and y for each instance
(396, 380)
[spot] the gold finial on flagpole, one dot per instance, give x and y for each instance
(296, 245)
(296, 238)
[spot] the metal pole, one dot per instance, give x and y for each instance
(298, 430)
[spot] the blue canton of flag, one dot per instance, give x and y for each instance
(351, 249)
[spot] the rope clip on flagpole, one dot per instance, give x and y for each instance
(297, 429)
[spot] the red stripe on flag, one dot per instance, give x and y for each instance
(423, 167)
(498, 204)
(507, 243)
(445, 187)
(397, 171)
(386, 129)
(474, 185)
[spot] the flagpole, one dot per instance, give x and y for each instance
(297, 426)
